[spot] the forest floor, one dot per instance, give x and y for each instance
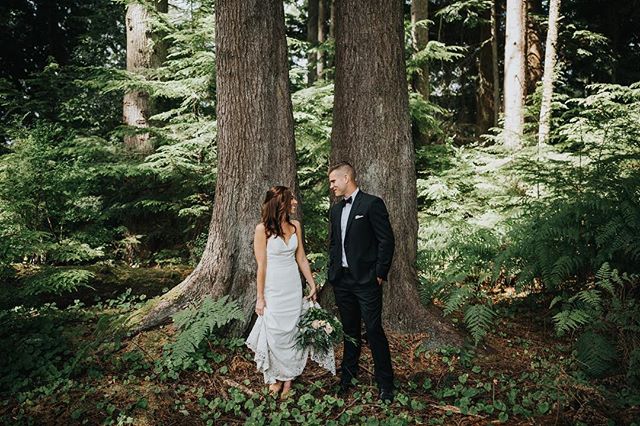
(522, 374)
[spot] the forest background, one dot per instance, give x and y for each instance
(527, 205)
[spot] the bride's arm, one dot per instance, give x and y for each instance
(303, 263)
(260, 251)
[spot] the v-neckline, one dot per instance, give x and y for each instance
(285, 241)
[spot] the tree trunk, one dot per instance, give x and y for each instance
(312, 39)
(256, 150)
(485, 115)
(322, 30)
(534, 46)
(420, 80)
(549, 67)
(143, 53)
(332, 36)
(496, 70)
(419, 40)
(371, 130)
(514, 73)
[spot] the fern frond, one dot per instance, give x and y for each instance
(596, 353)
(478, 319)
(456, 299)
(196, 324)
(592, 298)
(570, 320)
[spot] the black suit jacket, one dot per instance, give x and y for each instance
(369, 241)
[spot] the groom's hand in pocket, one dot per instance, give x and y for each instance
(260, 305)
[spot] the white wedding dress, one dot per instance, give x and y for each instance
(273, 336)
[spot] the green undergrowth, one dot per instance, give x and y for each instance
(78, 366)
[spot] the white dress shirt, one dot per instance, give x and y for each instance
(343, 223)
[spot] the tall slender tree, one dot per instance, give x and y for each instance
(323, 11)
(534, 67)
(256, 150)
(371, 130)
(549, 66)
(496, 70)
(312, 39)
(419, 40)
(486, 108)
(144, 52)
(514, 73)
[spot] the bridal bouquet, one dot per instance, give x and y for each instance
(318, 330)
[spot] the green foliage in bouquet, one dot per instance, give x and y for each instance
(319, 330)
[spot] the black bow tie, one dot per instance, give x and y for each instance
(346, 201)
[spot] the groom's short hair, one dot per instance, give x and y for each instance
(345, 167)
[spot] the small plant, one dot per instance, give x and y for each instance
(196, 324)
(607, 318)
(58, 281)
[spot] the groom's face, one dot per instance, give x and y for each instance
(338, 182)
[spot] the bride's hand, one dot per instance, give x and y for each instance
(260, 305)
(312, 295)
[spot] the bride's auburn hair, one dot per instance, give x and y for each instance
(275, 210)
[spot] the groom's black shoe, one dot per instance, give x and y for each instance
(386, 395)
(346, 384)
(345, 387)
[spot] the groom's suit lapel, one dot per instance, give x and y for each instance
(352, 213)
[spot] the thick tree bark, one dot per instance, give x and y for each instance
(371, 130)
(143, 53)
(534, 46)
(312, 39)
(256, 150)
(514, 73)
(485, 115)
(549, 67)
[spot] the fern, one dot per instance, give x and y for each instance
(478, 319)
(591, 298)
(457, 298)
(571, 319)
(596, 353)
(196, 324)
(608, 320)
(58, 281)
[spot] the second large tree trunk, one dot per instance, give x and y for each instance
(371, 130)
(514, 73)
(144, 52)
(256, 150)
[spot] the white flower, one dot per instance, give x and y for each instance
(328, 329)
(316, 324)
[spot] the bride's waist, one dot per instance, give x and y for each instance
(281, 262)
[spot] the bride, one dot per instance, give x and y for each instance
(279, 253)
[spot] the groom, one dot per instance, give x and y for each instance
(360, 252)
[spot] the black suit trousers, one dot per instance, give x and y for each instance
(357, 302)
